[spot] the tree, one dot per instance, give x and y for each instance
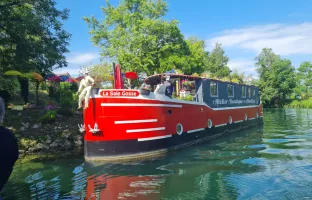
(237, 77)
(217, 62)
(197, 57)
(102, 74)
(304, 75)
(135, 35)
(276, 77)
(31, 37)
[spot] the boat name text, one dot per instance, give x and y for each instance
(119, 93)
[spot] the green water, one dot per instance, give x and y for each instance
(270, 162)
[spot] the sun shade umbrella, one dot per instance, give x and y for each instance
(34, 76)
(38, 76)
(71, 80)
(64, 77)
(13, 73)
(79, 78)
(55, 79)
(131, 75)
(48, 76)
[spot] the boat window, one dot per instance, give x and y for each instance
(243, 91)
(213, 89)
(249, 92)
(253, 92)
(230, 88)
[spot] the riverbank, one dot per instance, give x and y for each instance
(35, 138)
(307, 103)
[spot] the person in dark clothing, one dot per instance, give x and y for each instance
(169, 87)
(8, 149)
(5, 95)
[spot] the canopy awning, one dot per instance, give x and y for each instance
(156, 79)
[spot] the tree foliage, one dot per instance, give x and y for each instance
(277, 77)
(102, 74)
(32, 38)
(217, 62)
(197, 57)
(135, 35)
(304, 76)
(31, 35)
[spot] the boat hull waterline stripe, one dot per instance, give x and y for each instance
(154, 138)
(238, 121)
(195, 130)
(220, 125)
(141, 104)
(146, 130)
(135, 121)
(232, 108)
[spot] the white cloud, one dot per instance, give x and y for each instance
(82, 58)
(243, 65)
(283, 39)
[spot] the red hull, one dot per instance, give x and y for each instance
(135, 121)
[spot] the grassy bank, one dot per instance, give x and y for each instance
(307, 103)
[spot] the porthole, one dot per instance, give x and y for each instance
(246, 117)
(230, 120)
(179, 129)
(257, 115)
(209, 123)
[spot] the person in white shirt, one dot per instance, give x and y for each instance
(85, 89)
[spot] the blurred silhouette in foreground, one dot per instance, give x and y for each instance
(8, 149)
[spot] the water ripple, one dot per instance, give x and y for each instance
(270, 162)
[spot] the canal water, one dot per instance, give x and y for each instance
(270, 162)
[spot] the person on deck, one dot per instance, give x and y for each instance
(8, 149)
(169, 88)
(85, 87)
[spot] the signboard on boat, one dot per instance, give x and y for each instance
(119, 93)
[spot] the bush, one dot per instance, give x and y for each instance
(7, 88)
(48, 117)
(8, 84)
(66, 95)
(68, 112)
(186, 98)
(74, 87)
(44, 86)
(54, 93)
(300, 103)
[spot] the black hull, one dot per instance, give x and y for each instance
(132, 149)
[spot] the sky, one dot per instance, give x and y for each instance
(242, 27)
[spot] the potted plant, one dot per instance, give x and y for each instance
(187, 85)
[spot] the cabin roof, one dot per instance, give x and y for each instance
(156, 78)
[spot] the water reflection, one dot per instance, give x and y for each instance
(273, 162)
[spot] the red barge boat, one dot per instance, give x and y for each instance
(123, 124)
